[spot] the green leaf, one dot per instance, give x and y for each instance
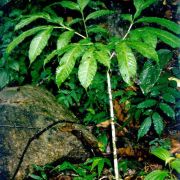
(149, 76)
(144, 49)
(157, 175)
(97, 29)
(172, 26)
(83, 3)
(158, 123)
(99, 13)
(64, 39)
(147, 103)
(56, 52)
(70, 5)
(100, 167)
(167, 110)
(165, 55)
(126, 17)
(141, 5)
(176, 165)
(145, 126)
(4, 78)
(166, 37)
(38, 44)
(127, 62)
(87, 68)
(103, 58)
(67, 64)
(169, 98)
(22, 36)
(161, 153)
(146, 37)
(30, 19)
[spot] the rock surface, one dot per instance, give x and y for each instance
(25, 111)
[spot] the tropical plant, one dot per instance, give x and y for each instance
(76, 44)
(172, 162)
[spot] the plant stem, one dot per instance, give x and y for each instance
(85, 27)
(128, 30)
(113, 130)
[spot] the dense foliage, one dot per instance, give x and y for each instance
(70, 54)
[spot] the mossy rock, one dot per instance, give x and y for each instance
(25, 111)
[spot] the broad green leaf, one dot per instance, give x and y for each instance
(158, 123)
(103, 58)
(157, 175)
(161, 153)
(149, 76)
(147, 103)
(126, 17)
(166, 37)
(147, 37)
(38, 44)
(144, 49)
(56, 20)
(64, 39)
(169, 98)
(87, 68)
(141, 5)
(176, 165)
(100, 166)
(165, 55)
(99, 13)
(56, 52)
(127, 62)
(97, 29)
(67, 63)
(167, 110)
(30, 19)
(145, 126)
(172, 26)
(70, 5)
(95, 162)
(22, 36)
(4, 78)
(83, 3)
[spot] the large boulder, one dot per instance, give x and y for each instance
(26, 111)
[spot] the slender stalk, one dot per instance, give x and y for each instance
(113, 130)
(85, 27)
(128, 30)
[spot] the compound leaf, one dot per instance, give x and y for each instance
(176, 165)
